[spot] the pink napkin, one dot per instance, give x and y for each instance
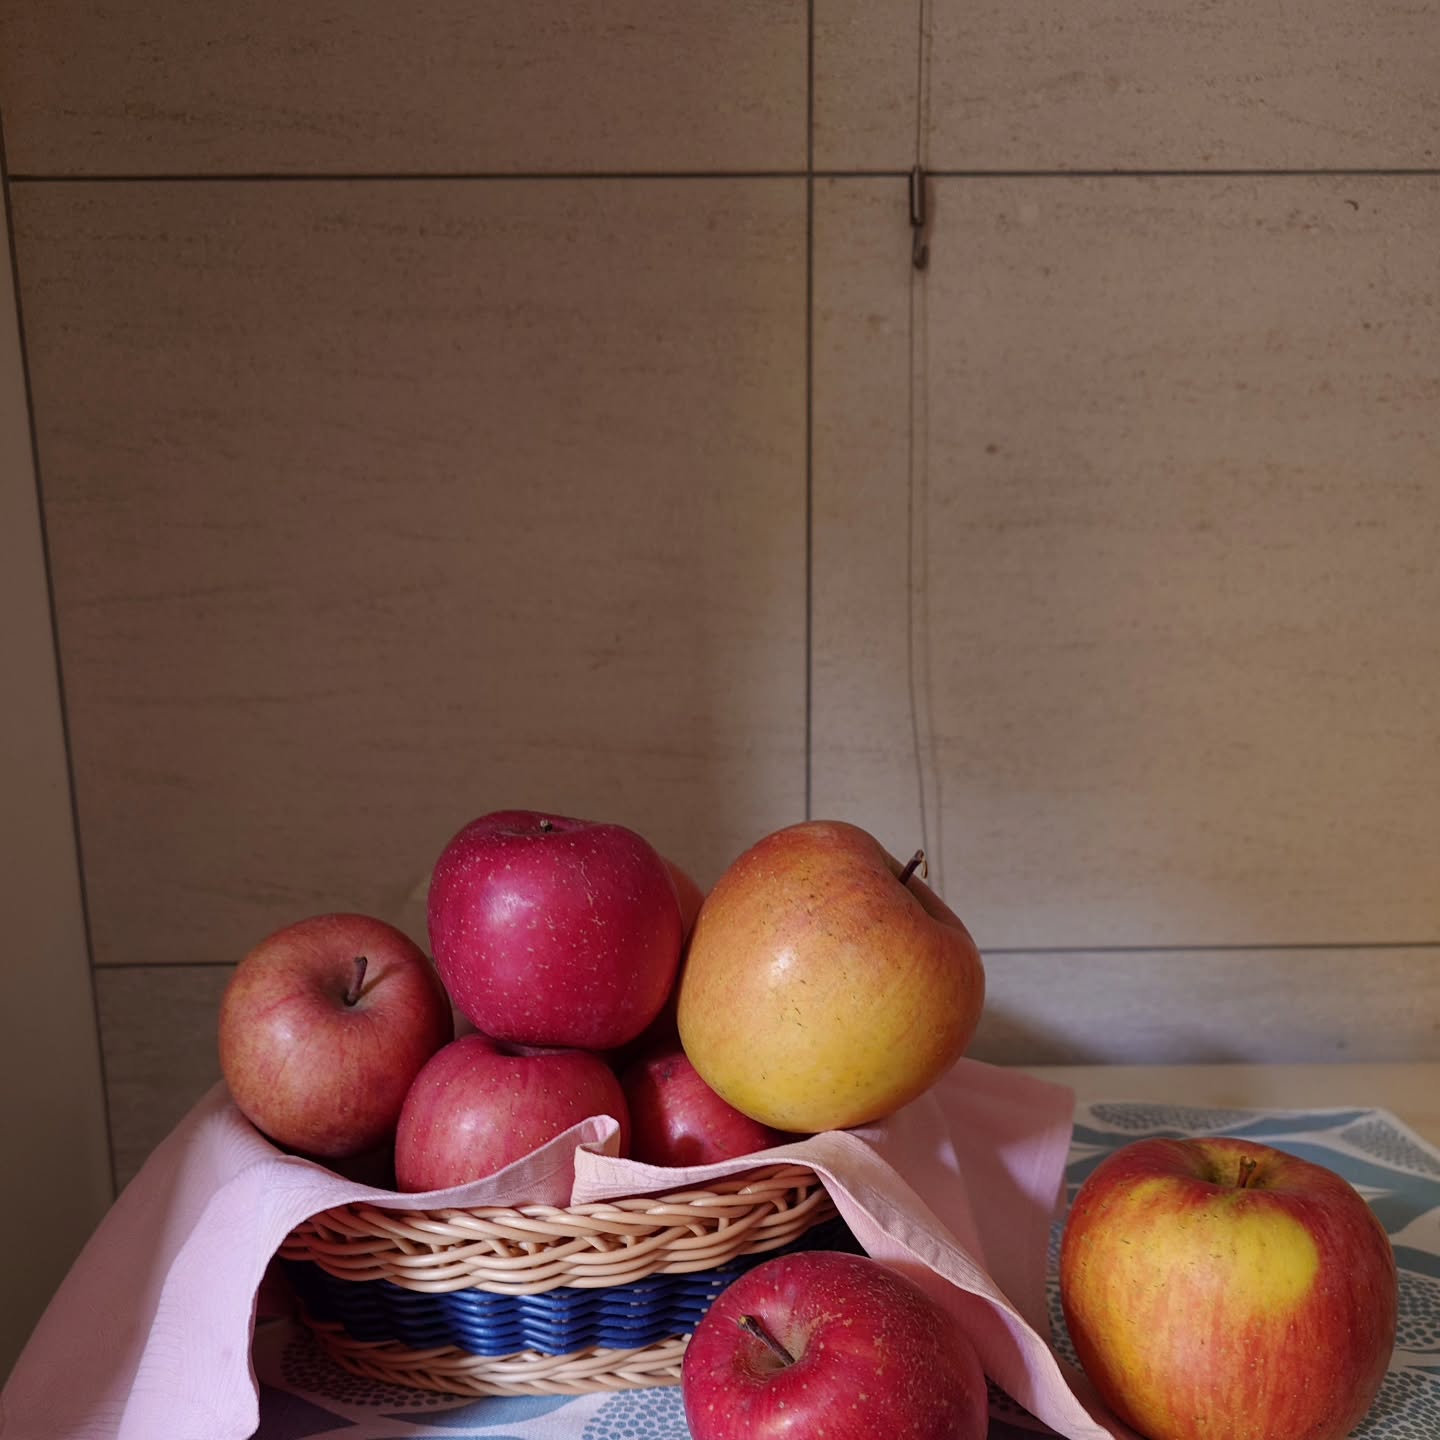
(150, 1333)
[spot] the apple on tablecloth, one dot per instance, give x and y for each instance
(1220, 1289)
(825, 1344)
(322, 1028)
(826, 985)
(553, 931)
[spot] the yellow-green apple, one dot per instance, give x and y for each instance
(553, 931)
(677, 1119)
(1220, 1289)
(479, 1105)
(825, 985)
(323, 1026)
(819, 1343)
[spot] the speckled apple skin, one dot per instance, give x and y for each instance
(478, 1106)
(1207, 1310)
(314, 1074)
(553, 931)
(819, 992)
(677, 1119)
(875, 1358)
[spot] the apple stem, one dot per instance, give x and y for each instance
(752, 1326)
(916, 861)
(546, 827)
(353, 993)
(1247, 1170)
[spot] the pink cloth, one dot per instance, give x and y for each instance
(150, 1333)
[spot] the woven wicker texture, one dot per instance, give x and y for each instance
(563, 1321)
(531, 1249)
(453, 1372)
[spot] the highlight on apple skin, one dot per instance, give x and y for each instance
(1221, 1289)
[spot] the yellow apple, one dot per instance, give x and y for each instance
(825, 985)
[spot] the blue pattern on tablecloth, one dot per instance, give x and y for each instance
(305, 1397)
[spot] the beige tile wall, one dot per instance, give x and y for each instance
(1110, 85)
(52, 1097)
(431, 419)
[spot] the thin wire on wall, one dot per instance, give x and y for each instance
(917, 646)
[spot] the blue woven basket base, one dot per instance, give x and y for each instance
(558, 1322)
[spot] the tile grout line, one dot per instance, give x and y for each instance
(809, 174)
(809, 444)
(1282, 947)
(65, 729)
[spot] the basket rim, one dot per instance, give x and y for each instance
(736, 1193)
(529, 1249)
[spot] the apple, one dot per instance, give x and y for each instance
(551, 931)
(677, 1119)
(479, 1105)
(1218, 1288)
(690, 895)
(825, 985)
(663, 1031)
(323, 1026)
(819, 1343)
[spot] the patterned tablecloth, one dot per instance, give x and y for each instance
(304, 1396)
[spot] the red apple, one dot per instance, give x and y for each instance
(818, 1343)
(480, 1105)
(550, 931)
(825, 985)
(690, 895)
(323, 1026)
(1218, 1289)
(677, 1119)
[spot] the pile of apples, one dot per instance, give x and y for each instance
(1214, 1289)
(820, 985)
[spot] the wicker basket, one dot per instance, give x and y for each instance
(541, 1300)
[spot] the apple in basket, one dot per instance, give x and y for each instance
(553, 931)
(1219, 1289)
(689, 894)
(323, 1026)
(677, 1119)
(825, 984)
(819, 1343)
(479, 1105)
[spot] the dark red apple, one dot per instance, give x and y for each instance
(552, 931)
(690, 895)
(677, 1119)
(820, 1343)
(322, 1028)
(480, 1105)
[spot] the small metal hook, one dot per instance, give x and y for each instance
(919, 219)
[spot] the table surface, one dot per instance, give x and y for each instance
(1409, 1092)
